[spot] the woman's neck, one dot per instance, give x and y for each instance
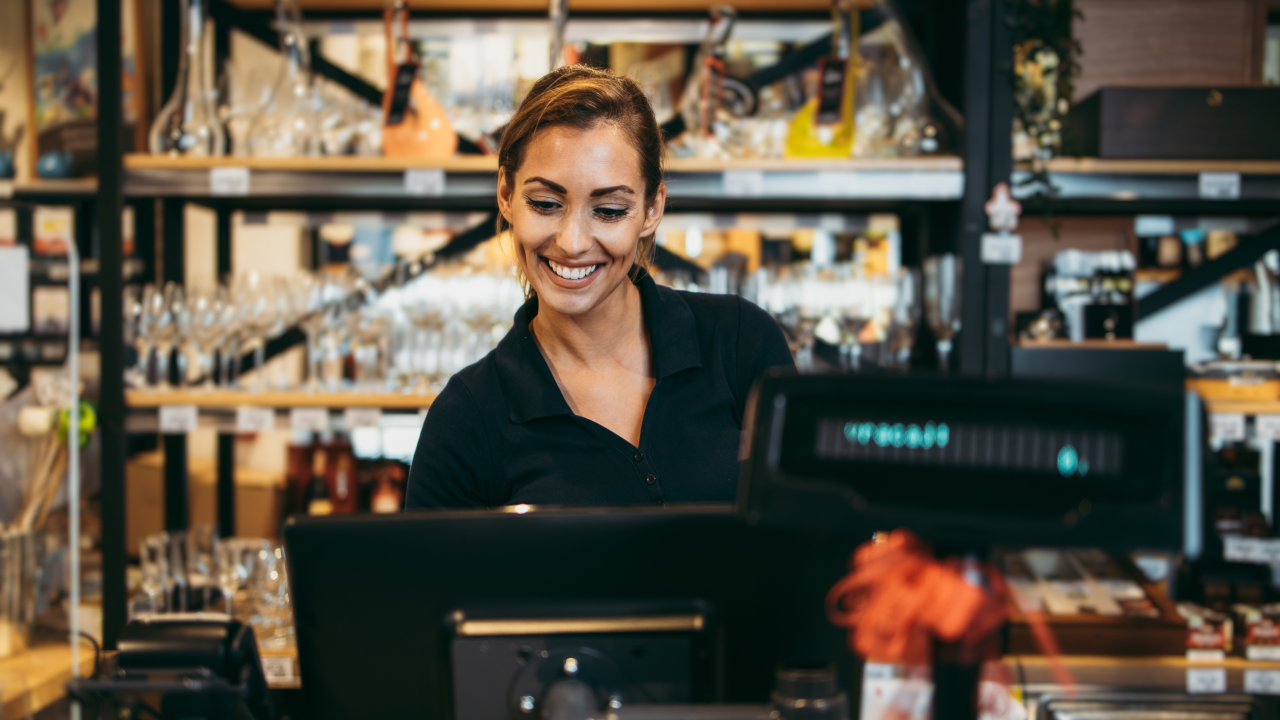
(613, 332)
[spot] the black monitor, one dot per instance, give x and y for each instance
(976, 463)
(468, 614)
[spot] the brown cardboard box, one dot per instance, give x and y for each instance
(259, 498)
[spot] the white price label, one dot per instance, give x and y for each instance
(999, 249)
(229, 181)
(278, 668)
(1261, 551)
(743, 183)
(362, 417)
(835, 183)
(255, 419)
(424, 182)
(1227, 426)
(1206, 655)
(1267, 427)
(1262, 682)
(1206, 681)
(309, 419)
(178, 419)
(1219, 186)
(1262, 653)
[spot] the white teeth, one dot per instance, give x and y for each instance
(571, 273)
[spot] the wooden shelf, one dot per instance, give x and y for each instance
(1242, 407)
(231, 399)
(339, 163)
(44, 670)
(1160, 275)
(1090, 344)
(1101, 166)
(489, 163)
(540, 6)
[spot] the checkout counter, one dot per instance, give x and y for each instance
(701, 612)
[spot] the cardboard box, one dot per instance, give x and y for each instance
(259, 498)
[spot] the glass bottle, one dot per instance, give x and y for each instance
(286, 125)
(187, 125)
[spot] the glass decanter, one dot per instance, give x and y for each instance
(187, 125)
(287, 125)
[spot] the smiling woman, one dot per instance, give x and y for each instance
(609, 389)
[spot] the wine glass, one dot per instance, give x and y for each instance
(269, 587)
(206, 329)
(942, 302)
(164, 331)
(181, 311)
(904, 318)
(202, 541)
(138, 331)
(257, 318)
(235, 561)
(152, 597)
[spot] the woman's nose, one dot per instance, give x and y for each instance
(574, 237)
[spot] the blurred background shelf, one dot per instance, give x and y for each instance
(540, 6)
(37, 678)
(231, 399)
(1096, 185)
(473, 179)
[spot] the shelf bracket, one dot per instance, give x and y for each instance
(1249, 251)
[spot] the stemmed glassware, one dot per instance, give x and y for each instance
(206, 307)
(164, 329)
(904, 319)
(258, 317)
(942, 302)
(138, 331)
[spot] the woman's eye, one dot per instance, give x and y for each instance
(611, 213)
(542, 205)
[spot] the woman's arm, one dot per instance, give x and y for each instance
(453, 463)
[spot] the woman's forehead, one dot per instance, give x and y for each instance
(600, 150)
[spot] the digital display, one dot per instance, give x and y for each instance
(1064, 452)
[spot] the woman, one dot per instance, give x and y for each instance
(609, 390)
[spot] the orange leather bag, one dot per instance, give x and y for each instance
(415, 124)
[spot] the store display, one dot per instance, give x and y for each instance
(187, 125)
(1092, 292)
(286, 126)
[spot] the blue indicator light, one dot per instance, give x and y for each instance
(850, 431)
(929, 436)
(944, 435)
(899, 435)
(914, 436)
(884, 435)
(865, 431)
(1068, 461)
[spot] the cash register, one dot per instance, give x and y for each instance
(529, 612)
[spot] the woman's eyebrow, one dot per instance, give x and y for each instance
(610, 190)
(554, 186)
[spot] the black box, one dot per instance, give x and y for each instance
(1224, 123)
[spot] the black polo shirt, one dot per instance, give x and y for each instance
(501, 432)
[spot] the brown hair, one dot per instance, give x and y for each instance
(582, 97)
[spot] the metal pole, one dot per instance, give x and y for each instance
(973, 222)
(110, 206)
(999, 170)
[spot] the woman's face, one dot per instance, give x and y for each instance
(577, 211)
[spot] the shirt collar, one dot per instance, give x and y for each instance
(527, 383)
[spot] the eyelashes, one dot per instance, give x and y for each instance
(604, 212)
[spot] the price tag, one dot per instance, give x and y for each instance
(362, 417)
(255, 419)
(999, 249)
(1260, 551)
(1215, 655)
(309, 419)
(424, 182)
(1206, 681)
(743, 183)
(229, 181)
(1262, 653)
(1219, 186)
(278, 668)
(1227, 426)
(1267, 427)
(1262, 682)
(178, 419)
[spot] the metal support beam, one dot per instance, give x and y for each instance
(226, 485)
(984, 340)
(110, 205)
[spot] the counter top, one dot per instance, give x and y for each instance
(36, 679)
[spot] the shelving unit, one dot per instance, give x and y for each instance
(1107, 186)
(232, 399)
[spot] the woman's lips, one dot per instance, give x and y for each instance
(573, 277)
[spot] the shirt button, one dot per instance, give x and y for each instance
(638, 457)
(651, 479)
